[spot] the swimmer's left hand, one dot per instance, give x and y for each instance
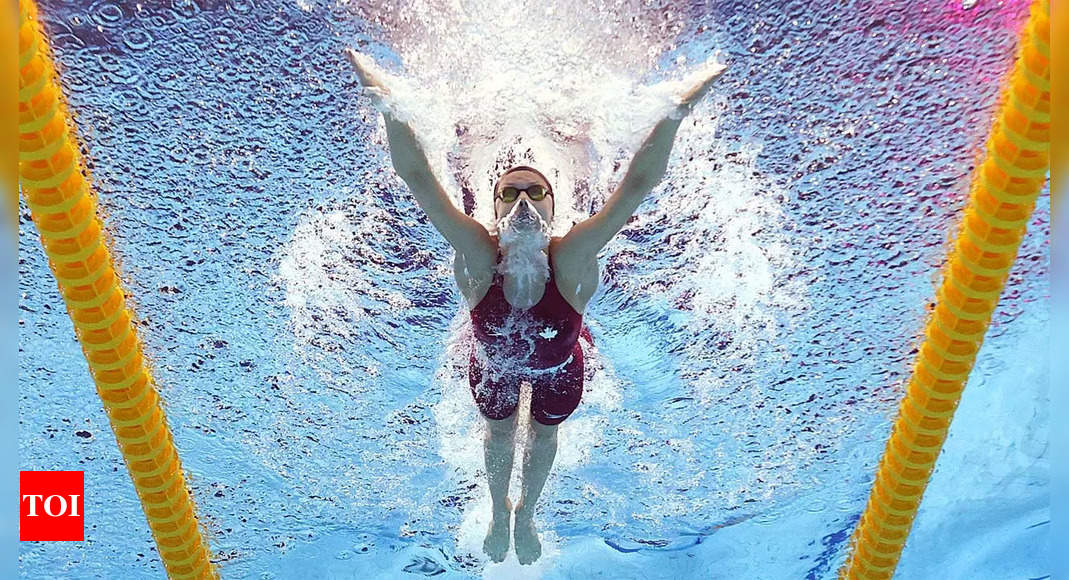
(700, 81)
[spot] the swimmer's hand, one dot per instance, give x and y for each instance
(699, 82)
(368, 73)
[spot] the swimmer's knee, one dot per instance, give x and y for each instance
(543, 432)
(501, 426)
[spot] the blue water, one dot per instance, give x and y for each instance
(753, 329)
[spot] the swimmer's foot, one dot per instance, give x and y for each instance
(496, 544)
(528, 548)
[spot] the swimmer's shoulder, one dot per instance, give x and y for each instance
(573, 262)
(474, 272)
(576, 277)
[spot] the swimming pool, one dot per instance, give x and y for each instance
(753, 328)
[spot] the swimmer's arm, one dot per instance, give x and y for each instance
(647, 169)
(410, 162)
(465, 234)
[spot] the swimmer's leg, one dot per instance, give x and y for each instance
(538, 460)
(499, 447)
(553, 399)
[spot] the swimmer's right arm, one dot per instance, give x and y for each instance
(410, 162)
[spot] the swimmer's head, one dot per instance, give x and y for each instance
(524, 178)
(523, 239)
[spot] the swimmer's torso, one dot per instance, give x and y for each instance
(541, 336)
(576, 280)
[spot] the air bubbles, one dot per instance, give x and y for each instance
(109, 62)
(171, 78)
(107, 14)
(295, 38)
(136, 38)
(815, 504)
(186, 52)
(224, 38)
(185, 8)
(161, 20)
(848, 504)
(132, 105)
(179, 153)
(121, 71)
(275, 23)
(766, 518)
(241, 6)
(202, 155)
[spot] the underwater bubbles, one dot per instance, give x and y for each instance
(136, 38)
(107, 14)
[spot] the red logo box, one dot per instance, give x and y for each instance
(51, 506)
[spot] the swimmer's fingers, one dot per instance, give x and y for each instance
(701, 81)
(697, 85)
(371, 78)
(366, 70)
(357, 61)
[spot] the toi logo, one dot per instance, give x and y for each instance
(50, 506)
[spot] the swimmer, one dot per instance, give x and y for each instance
(527, 292)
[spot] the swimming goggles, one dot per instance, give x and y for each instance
(535, 192)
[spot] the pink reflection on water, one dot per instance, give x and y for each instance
(1005, 14)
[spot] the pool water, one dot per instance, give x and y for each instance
(753, 329)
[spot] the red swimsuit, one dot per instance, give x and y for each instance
(540, 344)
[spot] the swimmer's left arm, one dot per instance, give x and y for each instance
(647, 169)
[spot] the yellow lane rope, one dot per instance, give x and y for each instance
(56, 188)
(1003, 195)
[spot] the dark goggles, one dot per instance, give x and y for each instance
(511, 194)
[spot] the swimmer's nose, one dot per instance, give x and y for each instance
(524, 212)
(524, 208)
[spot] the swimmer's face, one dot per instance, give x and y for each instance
(522, 180)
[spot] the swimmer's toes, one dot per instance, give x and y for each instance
(528, 547)
(496, 544)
